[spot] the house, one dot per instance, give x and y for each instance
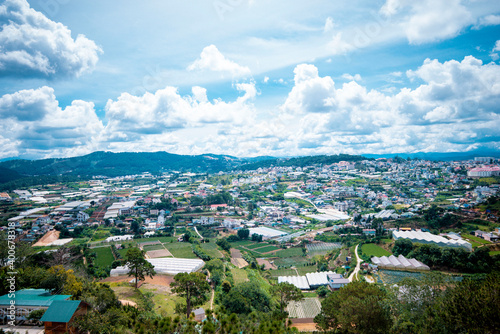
(369, 232)
(59, 316)
(82, 216)
(5, 197)
(199, 314)
(491, 237)
(27, 301)
(336, 281)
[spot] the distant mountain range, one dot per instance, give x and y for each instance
(437, 156)
(119, 164)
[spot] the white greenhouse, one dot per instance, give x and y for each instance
(399, 262)
(429, 238)
(169, 266)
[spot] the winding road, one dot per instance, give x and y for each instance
(358, 265)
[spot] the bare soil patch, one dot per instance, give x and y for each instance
(235, 253)
(239, 262)
(154, 254)
(266, 263)
(48, 238)
(162, 280)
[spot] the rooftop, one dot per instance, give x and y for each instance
(33, 297)
(61, 311)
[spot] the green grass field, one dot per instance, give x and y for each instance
(266, 249)
(242, 243)
(211, 249)
(374, 250)
(283, 272)
(475, 239)
(257, 245)
(291, 261)
(152, 247)
(181, 249)
(123, 252)
(104, 257)
(290, 252)
(493, 253)
(239, 275)
(306, 269)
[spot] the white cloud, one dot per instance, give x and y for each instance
(212, 59)
(329, 25)
(133, 117)
(32, 121)
(488, 20)
(355, 77)
(461, 97)
(428, 20)
(311, 93)
(31, 45)
(497, 46)
(453, 106)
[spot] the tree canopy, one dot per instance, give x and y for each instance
(286, 292)
(356, 308)
(192, 287)
(138, 266)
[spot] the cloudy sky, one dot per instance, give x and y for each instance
(248, 77)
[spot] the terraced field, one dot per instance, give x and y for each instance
(306, 308)
(321, 248)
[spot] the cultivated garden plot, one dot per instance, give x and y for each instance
(395, 276)
(154, 254)
(322, 248)
(306, 308)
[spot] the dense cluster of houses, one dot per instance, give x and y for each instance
(340, 192)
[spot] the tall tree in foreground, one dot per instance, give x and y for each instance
(356, 308)
(473, 306)
(138, 266)
(192, 287)
(286, 293)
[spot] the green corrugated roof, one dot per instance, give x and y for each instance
(32, 297)
(61, 311)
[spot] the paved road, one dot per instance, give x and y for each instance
(358, 265)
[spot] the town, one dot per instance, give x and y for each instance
(318, 227)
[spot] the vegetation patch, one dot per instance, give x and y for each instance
(374, 250)
(182, 250)
(290, 252)
(239, 275)
(104, 256)
(266, 249)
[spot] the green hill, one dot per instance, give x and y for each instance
(7, 175)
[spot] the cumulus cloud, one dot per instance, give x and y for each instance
(32, 45)
(132, 117)
(453, 108)
(428, 20)
(212, 59)
(33, 121)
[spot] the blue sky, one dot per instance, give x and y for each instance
(248, 77)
